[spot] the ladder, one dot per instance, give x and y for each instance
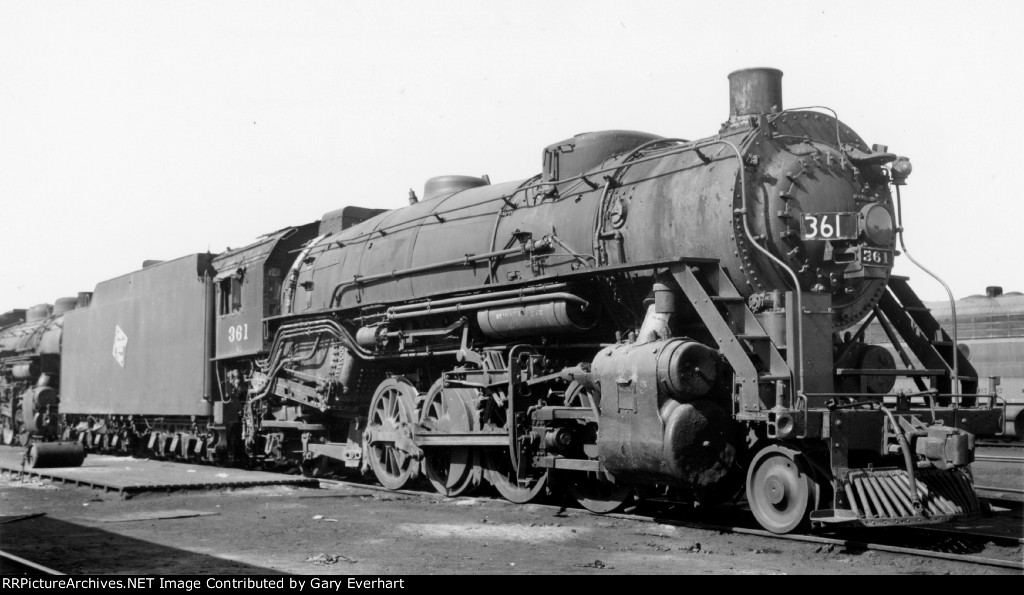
(761, 371)
(930, 343)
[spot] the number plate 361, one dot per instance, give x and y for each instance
(829, 226)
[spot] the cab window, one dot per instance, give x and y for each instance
(230, 295)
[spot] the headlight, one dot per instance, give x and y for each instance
(877, 224)
(901, 169)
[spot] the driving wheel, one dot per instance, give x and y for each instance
(503, 477)
(389, 439)
(449, 468)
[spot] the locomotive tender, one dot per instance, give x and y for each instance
(647, 315)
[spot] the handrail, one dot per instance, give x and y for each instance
(742, 211)
(949, 294)
(525, 248)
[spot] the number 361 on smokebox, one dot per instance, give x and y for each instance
(829, 226)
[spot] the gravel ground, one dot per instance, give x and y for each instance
(354, 530)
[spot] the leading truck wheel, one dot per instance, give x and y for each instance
(780, 490)
(597, 494)
(388, 431)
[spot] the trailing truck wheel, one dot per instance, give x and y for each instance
(780, 491)
(449, 469)
(388, 438)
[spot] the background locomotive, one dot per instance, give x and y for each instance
(991, 326)
(647, 315)
(990, 332)
(30, 369)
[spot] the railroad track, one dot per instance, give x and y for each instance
(999, 459)
(836, 541)
(15, 565)
(999, 444)
(1010, 498)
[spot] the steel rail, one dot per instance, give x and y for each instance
(995, 489)
(846, 543)
(998, 459)
(9, 558)
(998, 444)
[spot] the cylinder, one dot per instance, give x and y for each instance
(683, 370)
(687, 370)
(55, 454)
(670, 431)
(755, 91)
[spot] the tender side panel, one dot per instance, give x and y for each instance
(140, 347)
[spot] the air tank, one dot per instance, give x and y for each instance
(550, 318)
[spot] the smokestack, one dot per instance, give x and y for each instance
(755, 91)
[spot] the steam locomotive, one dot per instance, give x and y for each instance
(646, 316)
(30, 370)
(991, 329)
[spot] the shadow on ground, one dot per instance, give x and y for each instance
(77, 549)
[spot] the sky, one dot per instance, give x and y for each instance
(135, 130)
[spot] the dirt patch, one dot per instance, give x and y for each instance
(516, 533)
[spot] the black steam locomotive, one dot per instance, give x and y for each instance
(647, 315)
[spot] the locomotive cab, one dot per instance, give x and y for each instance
(248, 288)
